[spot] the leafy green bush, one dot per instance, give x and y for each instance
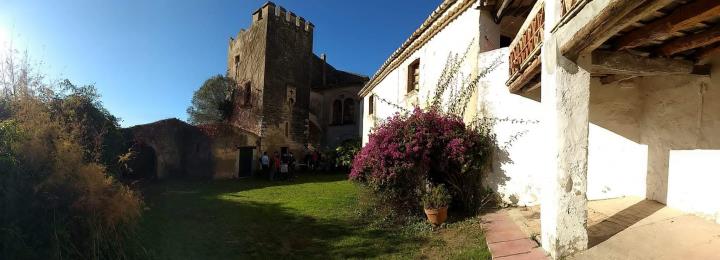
(346, 151)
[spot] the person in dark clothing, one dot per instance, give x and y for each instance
(315, 157)
(308, 161)
(275, 166)
(291, 166)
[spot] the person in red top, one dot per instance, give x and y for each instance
(276, 165)
(315, 160)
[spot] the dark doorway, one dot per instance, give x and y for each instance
(141, 164)
(283, 150)
(246, 161)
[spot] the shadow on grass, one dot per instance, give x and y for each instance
(191, 221)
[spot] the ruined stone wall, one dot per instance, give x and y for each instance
(224, 143)
(182, 150)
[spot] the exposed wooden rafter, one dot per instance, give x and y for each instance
(606, 62)
(501, 9)
(593, 24)
(682, 18)
(693, 41)
(644, 10)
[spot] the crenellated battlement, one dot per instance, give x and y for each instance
(270, 9)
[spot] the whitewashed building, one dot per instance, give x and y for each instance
(617, 98)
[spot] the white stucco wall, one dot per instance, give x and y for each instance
(681, 126)
(514, 173)
(459, 35)
(617, 160)
(693, 181)
(616, 164)
(657, 137)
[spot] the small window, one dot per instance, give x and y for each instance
(290, 93)
(287, 129)
(371, 104)
(237, 60)
(247, 94)
(413, 76)
(349, 111)
(337, 112)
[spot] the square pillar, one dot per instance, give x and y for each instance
(565, 104)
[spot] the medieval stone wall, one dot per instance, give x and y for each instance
(246, 65)
(275, 57)
(287, 86)
(224, 143)
(182, 150)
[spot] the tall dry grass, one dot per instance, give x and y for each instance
(57, 198)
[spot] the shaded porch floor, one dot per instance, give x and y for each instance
(634, 228)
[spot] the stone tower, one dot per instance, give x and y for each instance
(270, 62)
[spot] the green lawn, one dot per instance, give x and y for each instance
(313, 217)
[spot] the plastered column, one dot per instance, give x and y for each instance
(565, 104)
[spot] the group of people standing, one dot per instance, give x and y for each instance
(281, 165)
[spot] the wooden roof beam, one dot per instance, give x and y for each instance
(501, 9)
(682, 18)
(607, 62)
(690, 42)
(597, 21)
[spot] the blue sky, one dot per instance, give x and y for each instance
(148, 56)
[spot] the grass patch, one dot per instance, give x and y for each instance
(313, 217)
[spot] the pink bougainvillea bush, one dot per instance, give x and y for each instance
(408, 151)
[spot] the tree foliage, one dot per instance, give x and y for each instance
(80, 110)
(57, 197)
(212, 103)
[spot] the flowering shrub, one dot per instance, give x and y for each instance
(409, 150)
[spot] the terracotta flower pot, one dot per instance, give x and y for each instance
(436, 216)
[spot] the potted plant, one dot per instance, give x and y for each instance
(436, 204)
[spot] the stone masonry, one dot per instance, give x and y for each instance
(276, 70)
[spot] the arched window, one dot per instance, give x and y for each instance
(349, 111)
(337, 112)
(371, 105)
(413, 82)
